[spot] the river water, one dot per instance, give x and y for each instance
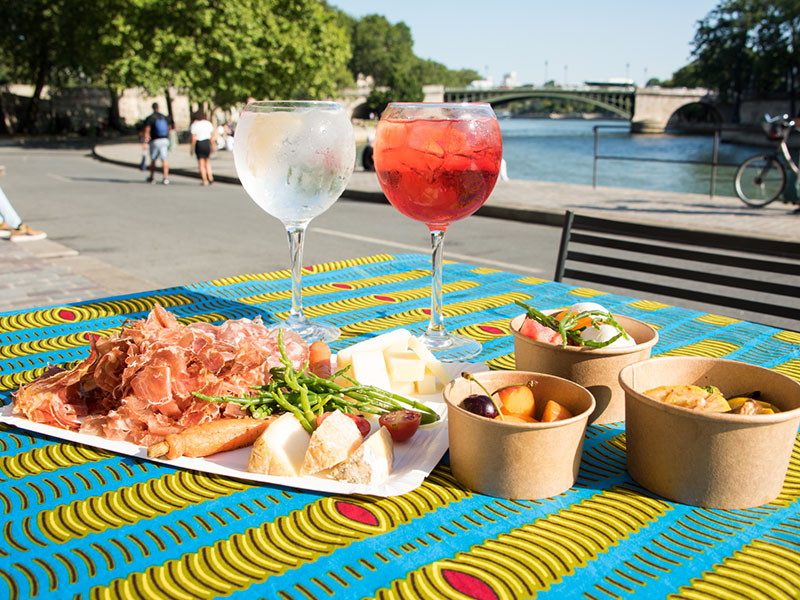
(562, 150)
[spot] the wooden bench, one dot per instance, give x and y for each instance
(723, 270)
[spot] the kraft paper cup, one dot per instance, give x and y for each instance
(596, 369)
(713, 460)
(517, 460)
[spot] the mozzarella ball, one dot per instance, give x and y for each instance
(603, 333)
(582, 306)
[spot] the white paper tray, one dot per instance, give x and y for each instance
(413, 460)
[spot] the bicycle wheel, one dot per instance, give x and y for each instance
(759, 180)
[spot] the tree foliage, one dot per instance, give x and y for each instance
(746, 47)
(380, 48)
(218, 52)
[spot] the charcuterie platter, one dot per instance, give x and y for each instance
(127, 397)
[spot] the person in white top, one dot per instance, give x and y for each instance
(202, 145)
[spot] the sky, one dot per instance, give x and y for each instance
(569, 41)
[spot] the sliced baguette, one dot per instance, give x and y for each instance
(371, 463)
(280, 450)
(331, 443)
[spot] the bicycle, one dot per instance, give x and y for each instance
(761, 179)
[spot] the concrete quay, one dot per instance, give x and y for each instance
(545, 202)
(46, 272)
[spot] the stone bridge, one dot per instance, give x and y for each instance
(649, 109)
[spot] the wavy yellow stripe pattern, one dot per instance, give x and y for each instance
(415, 316)
(301, 537)
(95, 310)
(761, 569)
(533, 557)
(128, 505)
(791, 368)
(321, 268)
(49, 458)
(709, 348)
(51, 344)
(328, 288)
(507, 362)
(369, 301)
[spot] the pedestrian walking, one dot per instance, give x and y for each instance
(202, 146)
(156, 133)
(11, 226)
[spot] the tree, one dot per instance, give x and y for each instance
(430, 72)
(219, 52)
(38, 45)
(748, 46)
(380, 48)
(403, 87)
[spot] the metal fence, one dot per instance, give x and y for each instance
(714, 164)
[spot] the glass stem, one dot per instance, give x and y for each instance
(436, 324)
(296, 233)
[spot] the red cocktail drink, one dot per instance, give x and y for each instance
(438, 163)
(438, 170)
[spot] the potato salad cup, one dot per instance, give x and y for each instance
(714, 460)
(596, 369)
(517, 460)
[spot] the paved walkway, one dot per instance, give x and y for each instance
(31, 276)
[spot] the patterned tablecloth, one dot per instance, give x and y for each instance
(78, 522)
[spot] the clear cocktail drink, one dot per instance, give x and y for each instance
(294, 159)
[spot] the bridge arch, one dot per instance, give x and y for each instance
(620, 107)
(701, 116)
(648, 109)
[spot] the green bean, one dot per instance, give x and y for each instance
(566, 327)
(306, 395)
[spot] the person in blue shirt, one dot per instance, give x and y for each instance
(156, 134)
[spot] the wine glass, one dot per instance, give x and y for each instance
(294, 159)
(437, 163)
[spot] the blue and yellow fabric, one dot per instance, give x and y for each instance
(78, 522)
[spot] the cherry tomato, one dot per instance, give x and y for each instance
(363, 425)
(402, 424)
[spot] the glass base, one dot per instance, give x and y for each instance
(310, 331)
(451, 347)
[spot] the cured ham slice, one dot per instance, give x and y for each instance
(138, 385)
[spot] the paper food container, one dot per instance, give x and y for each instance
(714, 460)
(517, 460)
(596, 369)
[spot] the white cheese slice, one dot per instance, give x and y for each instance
(430, 360)
(404, 366)
(371, 463)
(331, 443)
(369, 368)
(280, 449)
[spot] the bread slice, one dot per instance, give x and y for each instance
(331, 443)
(280, 449)
(371, 463)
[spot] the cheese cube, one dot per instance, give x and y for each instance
(404, 366)
(404, 388)
(428, 384)
(430, 360)
(379, 343)
(369, 368)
